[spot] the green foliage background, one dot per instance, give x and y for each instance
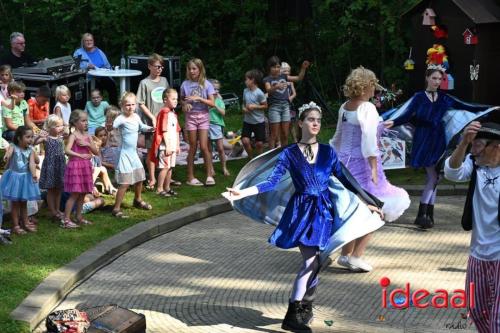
(230, 36)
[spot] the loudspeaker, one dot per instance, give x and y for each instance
(172, 70)
(76, 83)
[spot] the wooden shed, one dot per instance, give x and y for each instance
(473, 28)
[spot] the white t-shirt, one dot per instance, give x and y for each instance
(485, 239)
(65, 111)
(172, 134)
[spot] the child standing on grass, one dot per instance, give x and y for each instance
(197, 95)
(54, 164)
(292, 93)
(96, 108)
(216, 131)
(62, 107)
(78, 174)
(150, 100)
(99, 169)
(279, 104)
(254, 121)
(19, 183)
(129, 169)
(110, 150)
(166, 144)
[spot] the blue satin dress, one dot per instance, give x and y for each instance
(308, 218)
(429, 140)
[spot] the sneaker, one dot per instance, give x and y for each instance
(344, 262)
(359, 264)
(5, 240)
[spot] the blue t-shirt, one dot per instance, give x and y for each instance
(254, 97)
(277, 96)
(96, 113)
(96, 59)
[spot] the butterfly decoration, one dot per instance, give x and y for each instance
(474, 72)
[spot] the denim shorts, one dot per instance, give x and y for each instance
(279, 112)
(215, 132)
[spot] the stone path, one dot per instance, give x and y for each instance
(220, 275)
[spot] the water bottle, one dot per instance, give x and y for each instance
(122, 62)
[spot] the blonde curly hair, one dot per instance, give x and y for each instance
(358, 80)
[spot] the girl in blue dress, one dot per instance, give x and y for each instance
(129, 169)
(19, 184)
(427, 108)
(309, 219)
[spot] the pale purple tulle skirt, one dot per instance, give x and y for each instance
(396, 199)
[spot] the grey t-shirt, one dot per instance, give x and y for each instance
(149, 93)
(277, 96)
(253, 97)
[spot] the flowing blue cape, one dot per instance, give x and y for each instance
(454, 120)
(356, 219)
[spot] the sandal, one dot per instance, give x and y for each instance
(142, 205)
(210, 181)
(68, 224)
(119, 214)
(175, 183)
(163, 194)
(194, 182)
(18, 230)
(58, 217)
(84, 221)
(32, 220)
(151, 185)
(29, 227)
(171, 192)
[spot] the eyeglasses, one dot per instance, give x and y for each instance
(158, 66)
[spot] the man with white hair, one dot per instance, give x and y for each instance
(481, 215)
(16, 57)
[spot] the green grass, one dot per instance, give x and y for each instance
(31, 258)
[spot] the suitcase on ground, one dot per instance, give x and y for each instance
(114, 319)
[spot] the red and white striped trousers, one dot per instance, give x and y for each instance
(486, 277)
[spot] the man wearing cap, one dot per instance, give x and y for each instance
(482, 168)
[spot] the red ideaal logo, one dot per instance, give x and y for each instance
(401, 298)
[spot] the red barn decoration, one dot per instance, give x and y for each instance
(440, 31)
(470, 38)
(448, 83)
(429, 17)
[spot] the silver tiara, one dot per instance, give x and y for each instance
(311, 105)
(437, 67)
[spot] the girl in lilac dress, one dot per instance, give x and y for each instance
(356, 142)
(309, 219)
(78, 174)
